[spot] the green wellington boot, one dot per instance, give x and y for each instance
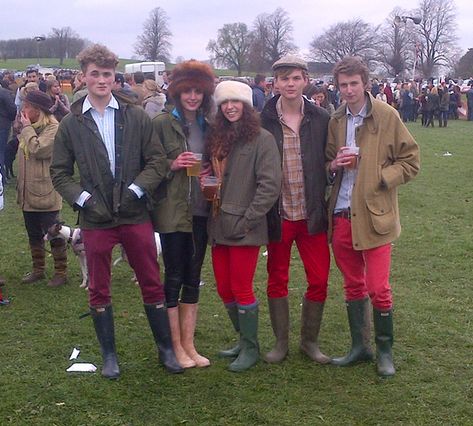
(383, 327)
(232, 312)
(311, 320)
(249, 352)
(360, 330)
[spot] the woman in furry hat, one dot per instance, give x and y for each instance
(181, 214)
(246, 161)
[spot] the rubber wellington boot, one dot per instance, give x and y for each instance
(188, 320)
(311, 319)
(359, 322)
(249, 352)
(279, 314)
(38, 256)
(383, 327)
(159, 323)
(59, 252)
(232, 312)
(105, 331)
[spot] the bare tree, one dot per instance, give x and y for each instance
(464, 67)
(396, 44)
(351, 38)
(436, 34)
(272, 37)
(64, 43)
(232, 46)
(155, 42)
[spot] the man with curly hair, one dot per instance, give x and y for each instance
(120, 164)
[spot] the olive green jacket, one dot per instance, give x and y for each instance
(139, 160)
(250, 187)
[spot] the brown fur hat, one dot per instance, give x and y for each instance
(191, 74)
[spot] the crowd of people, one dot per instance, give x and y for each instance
(227, 165)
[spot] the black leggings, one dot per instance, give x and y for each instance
(183, 256)
(37, 224)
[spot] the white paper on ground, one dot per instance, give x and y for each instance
(82, 367)
(75, 353)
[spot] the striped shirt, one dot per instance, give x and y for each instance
(293, 190)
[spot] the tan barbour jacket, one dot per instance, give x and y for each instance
(35, 191)
(389, 157)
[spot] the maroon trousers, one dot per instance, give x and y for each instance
(140, 247)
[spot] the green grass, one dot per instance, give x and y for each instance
(431, 278)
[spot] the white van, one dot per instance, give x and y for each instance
(152, 70)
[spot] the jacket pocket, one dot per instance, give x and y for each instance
(381, 213)
(233, 221)
(41, 194)
(130, 204)
(96, 210)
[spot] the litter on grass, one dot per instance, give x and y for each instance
(75, 353)
(82, 367)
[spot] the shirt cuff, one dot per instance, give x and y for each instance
(137, 190)
(83, 197)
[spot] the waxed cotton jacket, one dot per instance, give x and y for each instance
(139, 159)
(389, 157)
(35, 191)
(173, 212)
(313, 139)
(251, 185)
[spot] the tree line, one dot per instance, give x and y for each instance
(59, 43)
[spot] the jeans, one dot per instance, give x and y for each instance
(3, 145)
(37, 224)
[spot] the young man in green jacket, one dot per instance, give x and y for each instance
(120, 164)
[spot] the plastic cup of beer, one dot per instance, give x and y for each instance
(354, 151)
(210, 187)
(194, 170)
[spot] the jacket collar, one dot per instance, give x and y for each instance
(271, 112)
(372, 113)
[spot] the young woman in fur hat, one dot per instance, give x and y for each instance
(246, 161)
(181, 214)
(36, 196)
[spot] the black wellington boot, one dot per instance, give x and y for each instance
(105, 331)
(159, 323)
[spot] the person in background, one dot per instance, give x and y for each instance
(444, 105)
(7, 116)
(258, 89)
(107, 164)
(381, 96)
(154, 100)
(80, 88)
(36, 196)
(137, 87)
(61, 105)
(3, 301)
(469, 102)
(181, 212)
(121, 89)
(363, 207)
(245, 159)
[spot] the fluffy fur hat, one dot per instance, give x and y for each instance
(191, 74)
(233, 91)
(40, 100)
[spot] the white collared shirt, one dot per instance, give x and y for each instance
(349, 175)
(106, 125)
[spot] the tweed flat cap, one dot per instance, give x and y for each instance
(290, 60)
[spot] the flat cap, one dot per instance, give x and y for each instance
(290, 60)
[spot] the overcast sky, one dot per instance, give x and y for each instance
(117, 23)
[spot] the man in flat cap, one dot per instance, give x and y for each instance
(300, 214)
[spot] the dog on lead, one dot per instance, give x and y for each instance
(73, 237)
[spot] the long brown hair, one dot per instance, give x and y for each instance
(224, 134)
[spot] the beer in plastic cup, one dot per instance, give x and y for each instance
(210, 187)
(194, 170)
(355, 152)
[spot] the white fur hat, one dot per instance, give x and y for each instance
(233, 91)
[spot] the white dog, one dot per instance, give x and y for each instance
(73, 237)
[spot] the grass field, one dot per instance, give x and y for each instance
(432, 282)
